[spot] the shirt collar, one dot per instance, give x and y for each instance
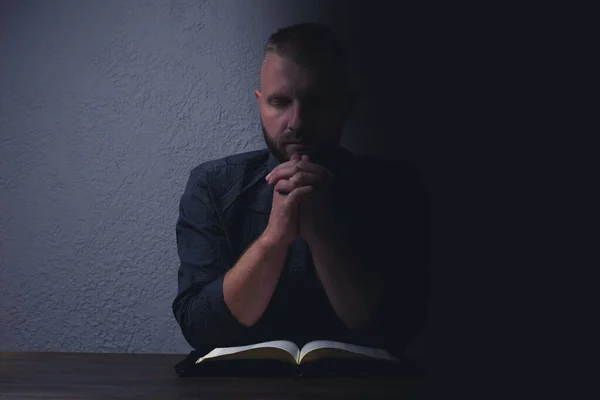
(271, 162)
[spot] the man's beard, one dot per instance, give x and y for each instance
(318, 153)
(277, 152)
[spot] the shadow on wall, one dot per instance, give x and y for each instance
(394, 70)
(422, 76)
(424, 79)
(448, 90)
(392, 66)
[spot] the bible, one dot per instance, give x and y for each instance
(288, 352)
(285, 358)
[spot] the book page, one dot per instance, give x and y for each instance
(319, 349)
(283, 350)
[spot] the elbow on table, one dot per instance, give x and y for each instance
(201, 329)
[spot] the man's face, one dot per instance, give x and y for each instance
(301, 108)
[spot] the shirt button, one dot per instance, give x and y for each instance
(296, 273)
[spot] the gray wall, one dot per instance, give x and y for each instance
(105, 106)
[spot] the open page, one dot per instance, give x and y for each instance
(282, 350)
(320, 349)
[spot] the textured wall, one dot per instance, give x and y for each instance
(105, 106)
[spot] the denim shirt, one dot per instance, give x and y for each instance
(381, 208)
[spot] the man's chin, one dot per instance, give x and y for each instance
(312, 155)
(287, 152)
(290, 151)
(317, 156)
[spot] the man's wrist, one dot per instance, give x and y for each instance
(270, 242)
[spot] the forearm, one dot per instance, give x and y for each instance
(249, 285)
(353, 291)
(217, 314)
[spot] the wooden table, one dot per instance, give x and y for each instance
(30, 375)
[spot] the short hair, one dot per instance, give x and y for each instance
(308, 44)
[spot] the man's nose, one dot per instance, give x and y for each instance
(296, 117)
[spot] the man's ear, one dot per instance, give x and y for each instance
(257, 93)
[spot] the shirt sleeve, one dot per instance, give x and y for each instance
(205, 256)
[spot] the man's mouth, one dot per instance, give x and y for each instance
(298, 145)
(303, 145)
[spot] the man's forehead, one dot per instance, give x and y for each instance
(278, 73)
(278, 68)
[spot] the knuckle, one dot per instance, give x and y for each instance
(286, 184)
(281, 185)
(301, 178)
(283, 172)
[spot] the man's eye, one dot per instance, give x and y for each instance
(279, 102)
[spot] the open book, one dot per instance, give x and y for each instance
(288, 352)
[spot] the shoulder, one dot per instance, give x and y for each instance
(219, 175)
(230, 165)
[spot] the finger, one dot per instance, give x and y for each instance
(296, 164)
(300, 193)
(285, 186)
(304, 165)
(306, 179)
(282, 171)
(286, 170)
(293, 160)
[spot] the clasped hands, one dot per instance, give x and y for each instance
(301, 199)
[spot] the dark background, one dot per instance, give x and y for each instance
(469, 95)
